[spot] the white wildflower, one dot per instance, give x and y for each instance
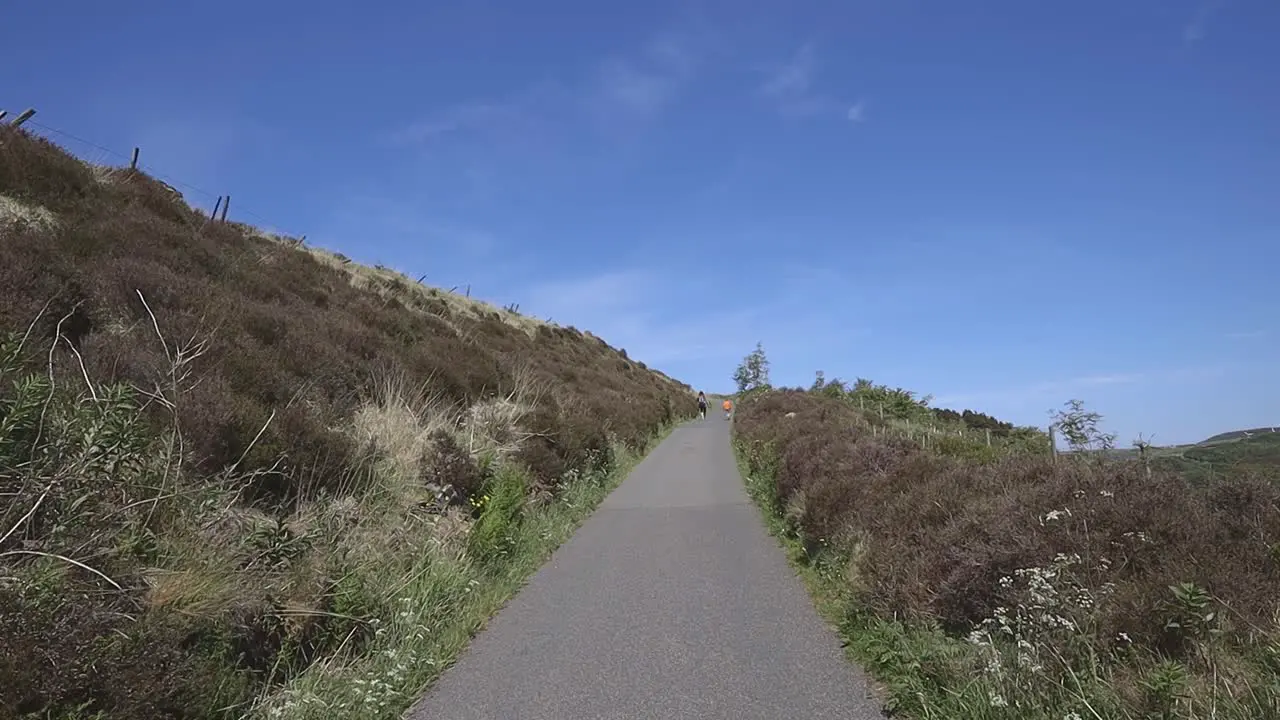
(1054, 515)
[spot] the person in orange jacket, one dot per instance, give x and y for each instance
(728, 408)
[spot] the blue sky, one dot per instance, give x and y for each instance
(1005, 204)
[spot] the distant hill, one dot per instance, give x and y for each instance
(1239, 451)
(1239, 434)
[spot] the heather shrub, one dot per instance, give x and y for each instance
(1057, 584)
(218, 501)
(446, 464)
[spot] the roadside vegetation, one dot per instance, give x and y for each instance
(1002, 581)
(243, 477)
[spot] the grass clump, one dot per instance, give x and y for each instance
(1013, 586)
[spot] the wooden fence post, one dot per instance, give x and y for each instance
(24, 116)
(214, 215)
(1053, 445)
(225, 205)
(988, 437)
(133, 162)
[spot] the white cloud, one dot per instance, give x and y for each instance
(857, 112)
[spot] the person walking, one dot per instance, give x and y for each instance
(702, 405)
(728, 408)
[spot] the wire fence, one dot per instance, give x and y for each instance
(99, 154)
(930, 432)
(95, 153)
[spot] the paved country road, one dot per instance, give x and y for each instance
(671, 601)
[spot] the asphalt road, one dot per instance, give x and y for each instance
(671, 601)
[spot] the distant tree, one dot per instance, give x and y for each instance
(1079, 427)
(948, 415)
(753, 373)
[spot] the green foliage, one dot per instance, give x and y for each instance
(1259, 450)
(879, 399)
(960, 447)
(494, 531)
(1079, 427)
(753, 374)
(974, 421)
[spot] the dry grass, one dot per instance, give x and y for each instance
(444, 303)
(15, 214)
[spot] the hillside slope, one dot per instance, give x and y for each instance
(1242, 452)
(227, 457)
(999, 581)
(1237, 435)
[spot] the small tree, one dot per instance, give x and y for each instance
(819, 381)
(1080, 427)
(753, 373)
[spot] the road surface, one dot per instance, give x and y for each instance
(671, 601)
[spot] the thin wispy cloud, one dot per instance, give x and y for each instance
(792, 78)
(638, 85)
(790, 87)
(459, 118)
(857, 112)
(665, 321)
(643, 84)
(447, 246)
(603, 292)
(1247, 334)
(1198, 26)
(168, 149)
(1060, 390)
(635, 89)
(1038, 391)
